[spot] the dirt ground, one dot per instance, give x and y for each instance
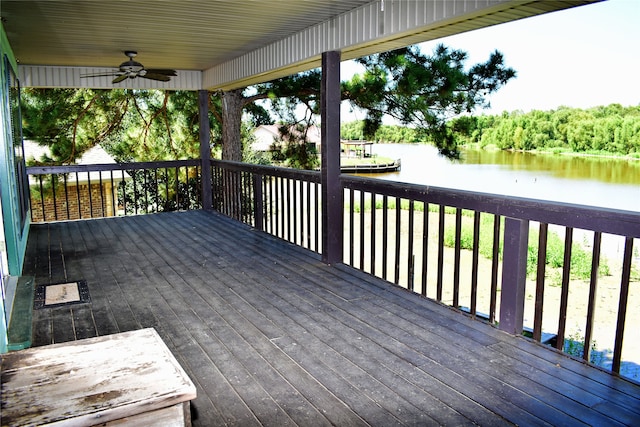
(607, 294)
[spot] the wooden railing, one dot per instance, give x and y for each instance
(283, 202)
(484, 254)
(506, 260)
(95, 191)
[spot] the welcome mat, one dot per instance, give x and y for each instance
(61, 294)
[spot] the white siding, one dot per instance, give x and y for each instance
(70, 77)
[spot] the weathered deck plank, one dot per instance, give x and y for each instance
(271, 336)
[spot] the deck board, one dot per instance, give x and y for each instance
(271, 336)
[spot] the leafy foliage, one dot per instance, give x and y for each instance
(138, 125)
(385, 133)
(607, 129)
(424, 91)
(130, 124)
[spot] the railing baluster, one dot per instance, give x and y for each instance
(53, 192)
(564, 292)
(494, 269)
(166, 185)
(456, 260)
(283, 211)
(439, 283)
(78, 195)
(294, 210)
(124, 194)
(593, 288)
(102, 205)
(474, 263)
(318, 224)
(308, 216)
(271, 199)
(113, 194)
(156, 190)
(66, 194)
(385, 234)
(622, 304)
(146, 191)
(372, 237)
(351, 226)
(541, 267)
(44, 212)
(276, 206)
(299, 212)
(397, 240)
(177, 188)
(90, 195)
(258, 202)
(362, 234)
(410, 257)
(425, 247)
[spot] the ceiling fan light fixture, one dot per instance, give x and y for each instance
(131, 69)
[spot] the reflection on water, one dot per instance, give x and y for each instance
(594, 181)
(605, 169)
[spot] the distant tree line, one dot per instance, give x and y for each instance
(384, 134)
(608, 129)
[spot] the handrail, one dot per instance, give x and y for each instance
(605, 220)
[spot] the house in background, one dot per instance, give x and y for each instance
(77, 195)
(268, 135)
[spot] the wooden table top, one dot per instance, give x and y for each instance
(92, 381)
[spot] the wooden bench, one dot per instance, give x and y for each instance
(126, 378)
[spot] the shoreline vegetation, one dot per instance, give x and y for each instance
(556, 151)
(603, 131)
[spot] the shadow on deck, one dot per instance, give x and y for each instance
(272, 336)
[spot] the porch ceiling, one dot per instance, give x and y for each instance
(216, 39)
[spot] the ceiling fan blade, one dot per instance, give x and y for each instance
(84, 76)
(119, 78)
(161, 71)
(155, 76)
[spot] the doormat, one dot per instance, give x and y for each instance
(61, 294)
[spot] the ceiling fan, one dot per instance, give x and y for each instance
(131, 69)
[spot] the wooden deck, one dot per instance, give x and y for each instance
(271, 336)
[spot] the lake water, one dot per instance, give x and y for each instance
(593, 181)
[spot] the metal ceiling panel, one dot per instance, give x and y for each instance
(230, 43)
(186, 34)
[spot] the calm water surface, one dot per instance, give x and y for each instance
(613, 183)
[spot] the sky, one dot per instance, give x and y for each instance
(581, 57)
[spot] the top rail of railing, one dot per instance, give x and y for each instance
(605, 220)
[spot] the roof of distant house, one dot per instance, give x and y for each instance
(266, 135)
(96, 155)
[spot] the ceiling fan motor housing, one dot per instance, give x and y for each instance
(131, 69)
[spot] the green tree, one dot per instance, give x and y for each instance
(425, 91)
(133, 125)
(417, 89)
